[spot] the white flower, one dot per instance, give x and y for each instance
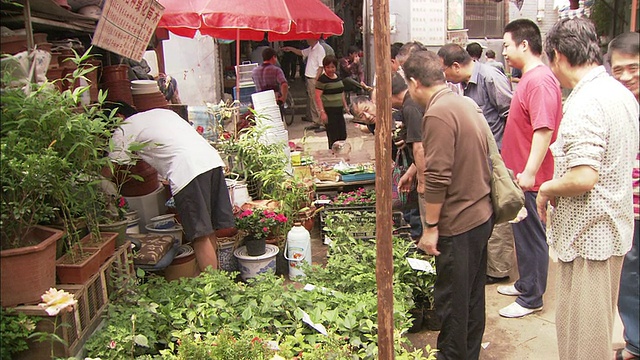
(54, 300)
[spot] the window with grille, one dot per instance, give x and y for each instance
(484, 18)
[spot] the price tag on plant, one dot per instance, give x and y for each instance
(422, 265)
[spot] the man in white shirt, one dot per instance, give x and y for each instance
(314, 55)
(192, 166)
(591, 224)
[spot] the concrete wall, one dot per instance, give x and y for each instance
(195, 64)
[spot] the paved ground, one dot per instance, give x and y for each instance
(531, 337)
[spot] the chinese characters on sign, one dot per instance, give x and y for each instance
(428, 21)
(126, 26)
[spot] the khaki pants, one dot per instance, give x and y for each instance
(500, 251)
(586, 297)
(312, 108)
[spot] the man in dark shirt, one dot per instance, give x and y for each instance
(268, 76)
(352, 72)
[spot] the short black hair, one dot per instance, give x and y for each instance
(451, 53)
(626, 43)
(409, 48)
(353, 49)
(359, 100)
(395, 49)
(490, 54)
(121, 107)
(268, 54)
(398, 84)
(424, 66)
(475, 50)
(525, 29)
(330, 59)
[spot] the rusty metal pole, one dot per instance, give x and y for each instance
(384, 246)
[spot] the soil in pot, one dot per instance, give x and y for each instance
(417, 316)
(79, 268)
(255, 247)
(431, 321)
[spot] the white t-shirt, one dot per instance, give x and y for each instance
(314, 54)
(174, 147)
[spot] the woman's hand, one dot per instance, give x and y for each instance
(323, 117)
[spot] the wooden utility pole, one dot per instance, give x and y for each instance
(384, 246)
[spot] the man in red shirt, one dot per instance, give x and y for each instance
(532, 124)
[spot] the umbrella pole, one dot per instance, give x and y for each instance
(237, 113)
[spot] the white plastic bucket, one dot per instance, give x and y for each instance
(238, 192)
(251, 266)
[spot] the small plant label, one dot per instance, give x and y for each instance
(307, 320)
(422, 265)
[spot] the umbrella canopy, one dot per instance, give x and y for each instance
(250, 19)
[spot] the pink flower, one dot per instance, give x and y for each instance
(112, 344)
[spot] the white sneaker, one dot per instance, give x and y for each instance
(515, 311)
(509, 290)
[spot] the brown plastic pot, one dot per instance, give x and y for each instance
(27, 272)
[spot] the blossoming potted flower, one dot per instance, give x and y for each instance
(258, 225)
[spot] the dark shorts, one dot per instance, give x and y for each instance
(204, 205)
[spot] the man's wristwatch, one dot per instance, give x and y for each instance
(426, 224)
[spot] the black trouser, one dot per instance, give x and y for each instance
(289, 64)
(459, 292)
(336, 126)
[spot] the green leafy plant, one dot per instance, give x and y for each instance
(16, 329)
(225, 345)
(256, 159)
(55, 149)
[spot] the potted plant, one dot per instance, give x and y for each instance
(53, 148)
(258, 224)
(261, 165)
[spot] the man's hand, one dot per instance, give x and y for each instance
(429, 241)
(405, 182)
(543, 200)
(526, 180)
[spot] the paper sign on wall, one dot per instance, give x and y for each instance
(126, 26)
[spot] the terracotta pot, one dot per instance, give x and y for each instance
(78, 271)
(105, 246)
(32, 265)
(115, 72)
(133, 187)
(226, 232)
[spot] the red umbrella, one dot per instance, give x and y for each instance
(250, 19)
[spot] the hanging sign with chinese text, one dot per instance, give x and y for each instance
(126, 26)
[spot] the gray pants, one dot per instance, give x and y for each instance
(312, 108)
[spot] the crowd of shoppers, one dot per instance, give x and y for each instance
(577, 162)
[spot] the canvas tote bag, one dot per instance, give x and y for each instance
(507, 197)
